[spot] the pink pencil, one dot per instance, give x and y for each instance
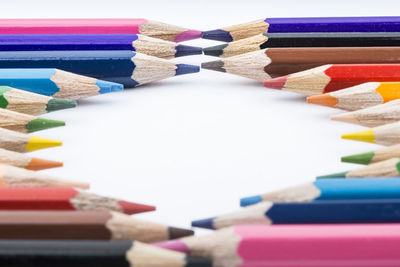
(98, 26)
(346, 245)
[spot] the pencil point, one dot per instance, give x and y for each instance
(188, 35)
(186, 50)
(334, 175)
(108, 87)
(348, 117)
(37, 164)
(217, 65)
(186, 69)
(276, 83)
(57, 104)
(42, 124)
(215, 51)
(217, 35)
(204, 223)
(364, 136)
(323, 100)
(364, 158)
(36, 143)
(175, 245)
(197, 262)
(246, 201)
(132, 208)
(175, 232)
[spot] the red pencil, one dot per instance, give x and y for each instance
(328, 78)
(27, 198)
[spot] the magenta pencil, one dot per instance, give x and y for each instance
(346, 245)
(98, 26)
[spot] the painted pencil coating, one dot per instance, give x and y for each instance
(126, 67)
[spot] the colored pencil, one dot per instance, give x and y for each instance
(374, 156)
(274, 62)
(59, 198)
(284, 25)
(56, 83)
(20, 142)
(360, 96)
(11, 176)
(333, 77)
(315, 212)
(25, 123)
(305, 39)
(135, 42)
(387, 135)
(34, 253)
(385, 168)
(25, 161)
(349, 245)
(121, 66)
(31, 103)
(83, 225)
(372, 116)
(332, 189)
(98, 26)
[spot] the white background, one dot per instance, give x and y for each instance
(193, 145)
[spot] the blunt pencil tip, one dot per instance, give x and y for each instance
(323, 100)
(186, 50)
(364, 158)
(42, 124)
(217, 35)
(108, 87)
(276, 83)
(37, 164)
(186, 69)
(188, 35)
(217, 65)
(58, 104)
(215, 51)
(246, 201)
(175, 232)
(132, 208)
(204, 223)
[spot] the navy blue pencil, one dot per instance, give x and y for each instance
(316, 212)
(122, 66)
(135, 42)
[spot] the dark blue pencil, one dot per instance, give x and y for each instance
(135, 42)
(334, 211)
(122, 66)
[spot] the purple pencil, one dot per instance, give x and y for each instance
(135, 42)
(286, 25)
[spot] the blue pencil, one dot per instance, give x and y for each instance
(56, 83)
(333, 211)
(332, 189)
(120, 66)
(135, 42)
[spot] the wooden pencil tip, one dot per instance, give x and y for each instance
(217, 65)
(276, 83)
(37, 164)
(348, 117)
(323, 100)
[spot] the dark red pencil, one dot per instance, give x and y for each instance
(27, 198)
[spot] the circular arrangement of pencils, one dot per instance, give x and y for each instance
(349, 219)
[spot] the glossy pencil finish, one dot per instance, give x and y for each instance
(98, 26)
(135, 42)
(360, 96)
(265, 64)
(20, 142)
(56, 83)
(307, 39)
(83, 225)
(293, 25)
(350, 245)
(34, 253)
(316, 212)
(388, 134)
(26, 161)
(333, 77)
(64, 199)
(374, 156)
(126, 67)
(332, 189)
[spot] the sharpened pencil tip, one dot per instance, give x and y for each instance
(197, 262)
(42, 124)
(58, 104)
(175, 245)
(204, 223)
(348, 117)
(334, 175)
(364, 158)
(246, 201)
(363, 136)
(37, 164)
(186, 69)
(217, 35)
(108, 87)
(323, 100)
(36, 143)
(215, 51)
(186, 50)
(217, 65)
(175, 232)
(132, 208)
(188, 35)
(276, 83)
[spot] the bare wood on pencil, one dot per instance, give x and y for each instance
(299, 193)
(149, 69)
(161, 30)
(386, 153)
(89, 201)
(158, 48)
(244, 46)
(12, 140)
(314, 80)
(386, 168)
(241, 31)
